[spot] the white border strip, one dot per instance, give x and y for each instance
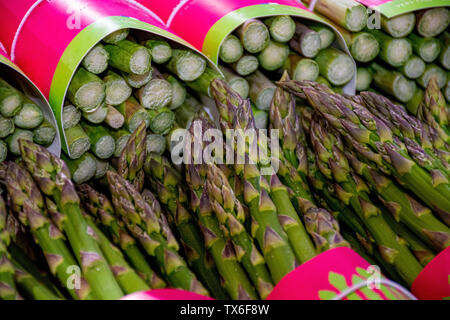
(175, 11)
(3, 47)
(363, 284)
(19, 29)
(147, 10)
(312, 5)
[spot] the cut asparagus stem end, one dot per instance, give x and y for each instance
(231, 49)
(6, 127)
(10, 102)
(433, 70)
(413, 104)
(105, 147)
(117, 36)
(96, 61)
(306, 69)
(447, 91)
(255, 36)
(162, 122)
(273, 56)
(82, 169)
(432, 22)
(101, 167)
(265, 98)
(399, 26)
(78, 142)
(137, 118)
(44, 134)
(398, 52)
(404, 89)
(13, 140)
(356, 18)
(335, 66)
(310, 45)
(430, 50)
(161, 51)
(365, 47)
(327, 36)
(187, 65)
(139, 62)
(156, 94)
(3, 150)
(117, 89)
(29, 117)
(261, 118)
(121, 143)
(138, 81)
(246, 65)
(282, 28)
(89, 96)
(363, 79)
(155, 143)
(240, 85)
(414, 67)
(114, 118)
(71, 116)
(178, 93)
(98, 115)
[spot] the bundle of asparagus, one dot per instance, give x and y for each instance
(260, 50)
(407, 50)
(21, 118)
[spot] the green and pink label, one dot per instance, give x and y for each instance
(394, 8)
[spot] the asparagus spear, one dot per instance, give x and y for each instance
(444, 57)
(134, 114)
(161, 121)
(273, 56)
(434, 106)
(143, 223)
(96, 61)
(30, 116)
(261, 118)
(413, 105)
(254, 35)
(430, 71)
(129, 57)
(202, 83)
(44, 134)
(100, 207)
(117, 36)
(6, 127)
(102, 143)
(231, 49)
(261, 90)
(306, 41)
(78, 141)
(393, 51)
(364, 47)
(3, 150)
(82, 169)
(178, 92)
(156, 94)
(138, 81)
(281, 28)
(117, 89)
(399, 26)
(301, 68)
(10, 99)
(337, 67)
(237, 83)
(160, 49)
(101, 167)
(86, 90)
(155, 143)
(413, 68)
(432, 22)
(98, 115)
(363, 79)
(426, 48)
(27, 202)
(114, 119)
(13, 140)
(121, 138)
(53, 178)
(326, 34)
(71, 116)
(186, 65)
(246, 65)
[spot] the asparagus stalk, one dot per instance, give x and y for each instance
(202, 83)
(156, 94)
(306, 41)
(129, 57)
(413, 68)
(121, 138)
(364, 47)
(178, 92)
(434, 104)
(155, 143)
(231, 49)
(3, 150)
(166, 182)
(432, 70)
(399, 26)
(143, 223)
(117, 36)
(254, 35)
(447, 89)
(444, 57)
(114, 119)
(246, 65)
(86, 90)
(101, 168)
(98, 115)
(160, 49)
(393, 51)
(273, 56)
(327, 35)
(413, 105)
(117, 89)
(237, 83)
(363, 79)
(100, 207)
(161, 121)
(6, 127)
(134, 114)
(28, 203)
(10, 99)
(102, 143)
(71, 116)
(337, 67)
(78, 141)
(13, 140)
(31, 287)
(347, 13)
(186, 65)
(82, 169)
(392, 82)
(96, 61)
(44, 134)
(432, 22)
(426, 48)
(46, 170)
(138, 81)
(281, 28)
(261, 90)
(30, 116)
(188, 111)
(261, 118)
(301, 68)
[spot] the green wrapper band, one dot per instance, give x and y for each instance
(202, 84)
(138, 81)
(273, 56)
(10, 99)
(413, 68)
(77, 141)
(161, 120)
(117, 89)
(134, 114)
(82, 169)
(432, 22)
(261, 90)
(327, 35)
(13, 140)
(155, 143)
(363, 79)
(160, 49)
(86, 90)
(246, 65)
(102, 143)
(433, 70)
(121, 138)
(178, 92)
(6, 127)
(281, 28)
(336, 66)
(364, 47)
(71, 116)
(231, 49)
(98, 115)
(30, 116)
(117, 36)
(426, 48)
(129, 57)
(399, 26)
(3, 150)
(44, 134)
(156, 94)
(187, 65)
(96, 61)
(301, 68)
(254, 35)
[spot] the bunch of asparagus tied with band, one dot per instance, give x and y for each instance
(398, 55)
(258, 52)
(383, 171)
(124, 80)
(21, 118)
